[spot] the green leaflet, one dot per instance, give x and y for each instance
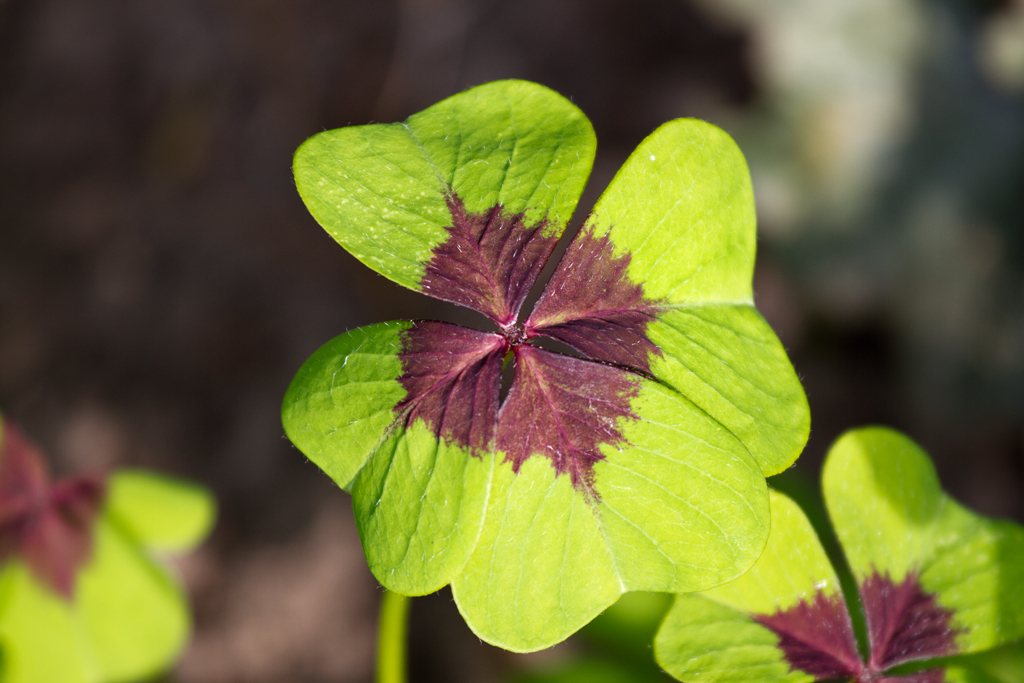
(726, 359)
(128, 619)
(419, 504)
(380, 189)
(710, 636)
(792, 567)
(419, 500)
(694, 181)
(681, 507)
(339, 404)
(541, 568)
(974, 565)
(935, 581)
(691, 243)
(160, 513)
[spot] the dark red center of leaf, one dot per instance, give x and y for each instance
(561, 407)
(904, 624)
(50, 526)
(591, 305)
(564, 408)
(452, 377)
(817, 637)
(489, 261)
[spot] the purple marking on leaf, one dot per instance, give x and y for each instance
(452, 377)
(489, 262)
(591, 305)
(904, 622)
(817, 637)
(564, 408)
(50, 526)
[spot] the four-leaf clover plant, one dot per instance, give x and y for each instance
(934, 579)
(636, 463)
(82, 599)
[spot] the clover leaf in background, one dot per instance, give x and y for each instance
(82, 599)
(637, 464)
(934, 581)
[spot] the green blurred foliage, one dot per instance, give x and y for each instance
(128, 619)
(616, 646)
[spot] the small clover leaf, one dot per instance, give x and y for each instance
(81, 599)
(934, 580)
(638, 465)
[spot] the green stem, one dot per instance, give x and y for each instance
(394, 614)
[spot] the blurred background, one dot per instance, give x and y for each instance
(161, 281)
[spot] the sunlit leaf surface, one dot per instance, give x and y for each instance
(934, 581)
(638, 464)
